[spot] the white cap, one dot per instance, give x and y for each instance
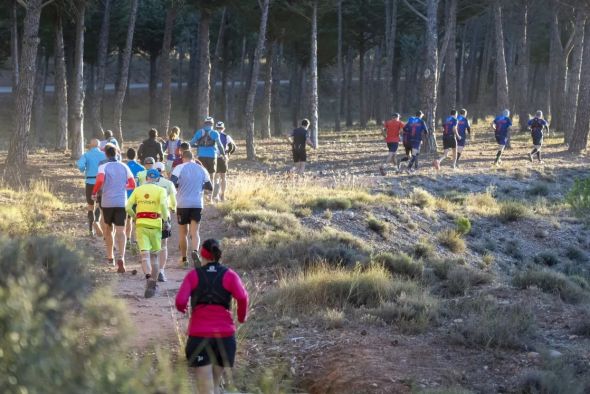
(159, 166)
(209, 119)
(219, 125)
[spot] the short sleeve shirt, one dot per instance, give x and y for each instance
(392, 128)
(114, 189)
(191, 178)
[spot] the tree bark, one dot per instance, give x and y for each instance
(348, 84)
(101, 60)
(39, 99)
(580, 135)
(78, 87)
(193, 82)
(461, 79)
(430, 76)
(522, 67)
(390, 36)
(14, 45)
(217, 60)
(267, 101)
(124, 73)
(276, 89)
(61, 89)
(166, 70)
(362, 105)
(204, 88)
(340, 70)
(573, 83)
(249, 110)
(180, 70)
(153, 89)
(502, 99)
(314, 97)
(451, 56)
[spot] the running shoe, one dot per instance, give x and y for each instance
(530, 157)
(150, 288)
(195, 258)
(111, 262)
(436, 165)
(382, 171)
(161, 277)
(184, 263)
(120, 266)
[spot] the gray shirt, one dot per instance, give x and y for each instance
(191, 178)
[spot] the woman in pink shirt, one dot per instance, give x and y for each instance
(211, 345)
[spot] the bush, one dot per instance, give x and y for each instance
(422, 198)
(423, 249)
(379, 226)
(460, 279)
(332, 319)
(539, 189)
(441, 268)
(513, 249)
(412, 313)
(551, 282)
(484, 204)
(333, 203)
(262, 221)
(487, 259)
(512, 211)
(579, 197)
(556, 377)
(452, 240)
(546, 258)
(400, 264)
(463, 225)
(489, 325)
(576, 254)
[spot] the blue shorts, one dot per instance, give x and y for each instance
(462, 142)
(392, 146)
(502, 139)
(416, 145)
(537, 138)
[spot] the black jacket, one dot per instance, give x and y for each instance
(150, 148)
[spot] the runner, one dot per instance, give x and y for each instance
(299, 139)
(113, 179)
(211, 344)
(391, 131)
(108, 139)
(149, 164)
(151, 214)
(135, 168)
(166, 227)
(151, 147)
(416, 129)
(209, 147)
(229, 147)
(406, 134)
(501, 127)
(190, 179)
(172, 149)
(537, 125)
(88, 164)
(463, 127)
(450, 136)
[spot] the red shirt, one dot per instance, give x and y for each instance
(211, 321)
(393, 128)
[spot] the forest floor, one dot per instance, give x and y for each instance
(355, 349)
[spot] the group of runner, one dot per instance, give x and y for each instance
(455, 132)
(168, 179)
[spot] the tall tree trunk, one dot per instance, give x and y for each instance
(522, 67)
(340, 70)
(390, 36)
(101, 60)
(430, 76)
(153, 89)
(461, 80)
(78, 88)
(294, 101)
(14, 44)
(379, 94)
(276, 89)
(580, 136)
(314, 97)
(18, 148)
(204, 88)
(267, 101)
(362, 105)
(179, 71)
(61, 89)
(224, 94)
(451, 56)
(166, 70)
(573, 83)
(217, 60)
(249, 110)
(502, 97)
(193, 78)
(39, 99)
(348, 90)
(124, 72)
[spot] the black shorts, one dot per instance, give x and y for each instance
(537, 138)
(206, 351)
(88, 191)
(299, 155)
(221, 165)
(186, 215)
(408, 148)
(116, 216)
(392, 146)
(209, 163)
(166, 233)
(449, 143)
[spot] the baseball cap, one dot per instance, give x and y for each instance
(209, 119)
(149, 160)
(159, 166)
(219, 125)
(152, 173)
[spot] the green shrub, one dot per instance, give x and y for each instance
(441, 268)
(332, 319)
(546, 258)
(512, 211)
(452, 240)
(333, 203)
(262, 221)
(538, 189)
(512, 249)
(412, 313)
(328, 214)
(576, 254)
(487, 259)
(463, 225)
(579, 197)
(459, 279)
(400, 264)
(423, 249)
(422, 198)
(557, 376)
(379, 226)
(551, 282)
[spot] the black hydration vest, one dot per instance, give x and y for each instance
(210, 290)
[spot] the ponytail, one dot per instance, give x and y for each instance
(216, 252)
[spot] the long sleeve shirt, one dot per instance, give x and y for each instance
(89, 162)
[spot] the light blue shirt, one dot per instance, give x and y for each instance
(89, 162)
(207, 151)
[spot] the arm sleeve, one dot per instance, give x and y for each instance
(191, 281)
(82, 163)
(99, 179)
(130, 203)
(233, 284)
(164, 204)
(130, 179)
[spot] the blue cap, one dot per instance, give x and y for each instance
(152, 173)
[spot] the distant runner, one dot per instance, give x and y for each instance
(88, 164)
(151, 147)
(191, 179)
(148, 162)
(151, 211)
(229, 147)
(166, 226)
(464, 128)
(135, 168)
(406, 140)
(114, 179)
(299, 139)
(501, 127)
(172, 149)
(391, 132)
(449, 137)
(211, 344)
(538, 126)
(416, 129)
(209, 147)
(108, 139)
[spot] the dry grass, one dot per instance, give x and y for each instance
(400, 264)
(552, 282)
(451, 239)
(379, 226)
(262, 220)
(483, 204)
(512, 211)
(421, 198)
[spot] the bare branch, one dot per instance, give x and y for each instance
(47, 3)
(421, 15)
(22, 2)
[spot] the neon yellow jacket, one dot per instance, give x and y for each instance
(152, 205)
